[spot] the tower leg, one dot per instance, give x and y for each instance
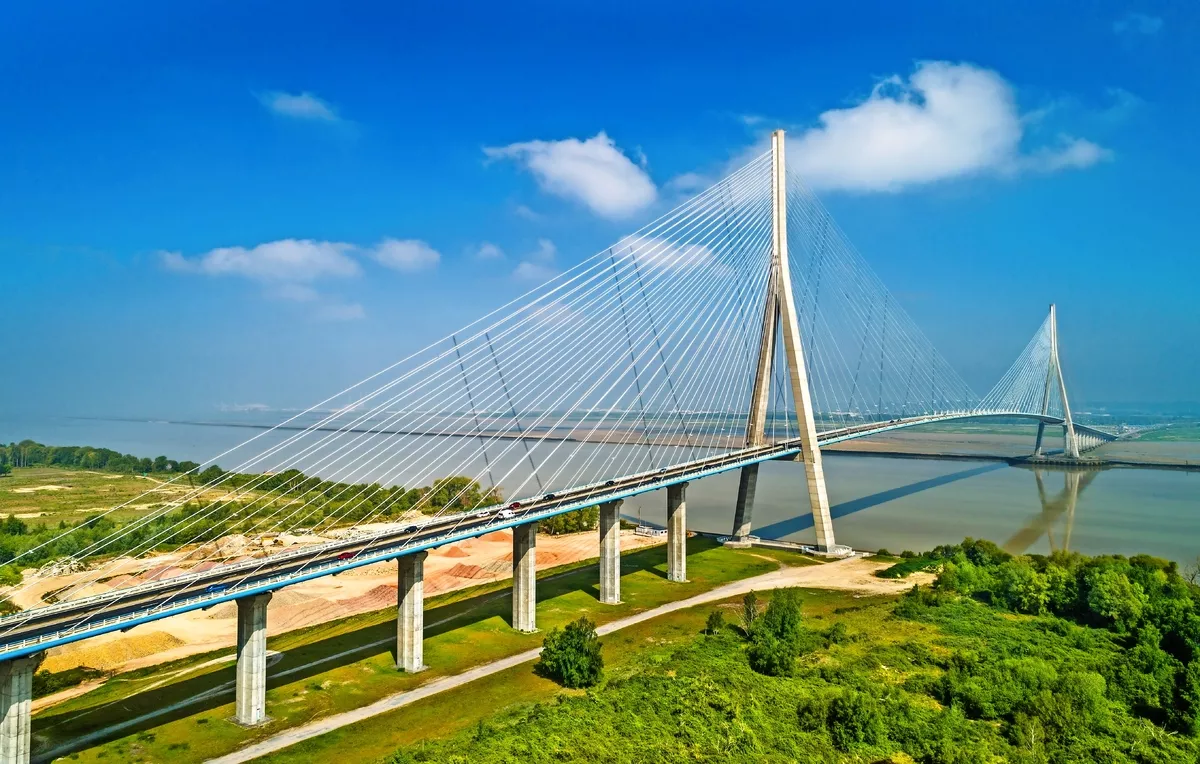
(1037, 446)
(410, 618)
(251, 686)
(16, 696)
(525, 577)
(744, 512)
(610, 552)
(677, 532)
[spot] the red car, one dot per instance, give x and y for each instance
(515, 505)
(346, 555)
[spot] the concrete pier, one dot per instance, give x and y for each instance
(610, 552)
(525, 577)
(743, 514)
(410, 616)
(16, 695)
(677, 532)
(251, 688)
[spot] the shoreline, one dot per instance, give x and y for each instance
(1022, 461)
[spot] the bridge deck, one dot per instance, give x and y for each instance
(70, 621)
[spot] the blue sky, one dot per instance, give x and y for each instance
(221, 203)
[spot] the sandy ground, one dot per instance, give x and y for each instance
(476, 561)
(853, 574)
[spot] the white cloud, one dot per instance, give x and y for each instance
(406, 255)
(489, 251)
(539, 264)
(287, 260)
(1071, 154)
(290, 269)
(947, 120)
(300, 106)
(663, 254)
(594, 171)
(1138, 23)
(524, 212)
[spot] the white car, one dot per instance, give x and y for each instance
(506, 514)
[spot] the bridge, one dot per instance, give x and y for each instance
(740, 327)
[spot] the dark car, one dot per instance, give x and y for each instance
(550, 497)
(412, 529)
(216, 588)
(346, 556)
(610, 484)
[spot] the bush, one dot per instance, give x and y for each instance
(883, 553)
(571, 655)
(855, 718)
(715, 622)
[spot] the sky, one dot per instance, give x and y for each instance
(211, 205)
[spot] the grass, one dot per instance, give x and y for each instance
(929, 677)
(27, 494)
(627, 653)
(474, 629)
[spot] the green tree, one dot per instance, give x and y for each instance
(571, 655)
(1117, 600)
(749, 611)
(715, 622)
(775, 637)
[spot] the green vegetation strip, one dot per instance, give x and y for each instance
(474, 631)
(1029, 660)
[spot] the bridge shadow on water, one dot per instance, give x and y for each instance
(307, 654)
(804, 522)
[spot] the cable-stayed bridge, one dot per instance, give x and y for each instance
(741, 327)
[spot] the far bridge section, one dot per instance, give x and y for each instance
(707, 341)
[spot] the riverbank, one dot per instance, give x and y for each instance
(1085, 463)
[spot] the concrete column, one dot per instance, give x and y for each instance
(610, 552)
(743, 514)
(525, 577)
(1037, 445)
(251, 688)
(16, 694)
(410, 618)
(677, 532)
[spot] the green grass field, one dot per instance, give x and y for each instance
(48, 495)
(332, 668)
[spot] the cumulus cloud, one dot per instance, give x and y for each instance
(287, 260)
(407, 255)
(946, 120)
(539, 264)
(663, 254)
(489, 251)
(1138, 23)
(594, 172)
(291, 269)
(299, 106)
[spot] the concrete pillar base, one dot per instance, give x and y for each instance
(251, 685)
(610, 553)
(744, 512)
(677, 533)
(525, 577)
(410, 616)
(16, 697)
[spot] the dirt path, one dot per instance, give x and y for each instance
(853, 574)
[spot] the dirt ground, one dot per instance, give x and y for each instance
(456, 566)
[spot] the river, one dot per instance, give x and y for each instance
(877, 501)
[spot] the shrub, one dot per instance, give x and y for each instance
(854, 718)
(715, 622)
(571, 655)
(883, 553)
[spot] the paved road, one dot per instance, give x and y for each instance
(853, 574)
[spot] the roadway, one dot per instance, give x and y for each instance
(65, 622)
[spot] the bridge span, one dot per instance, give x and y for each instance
(744, 302)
